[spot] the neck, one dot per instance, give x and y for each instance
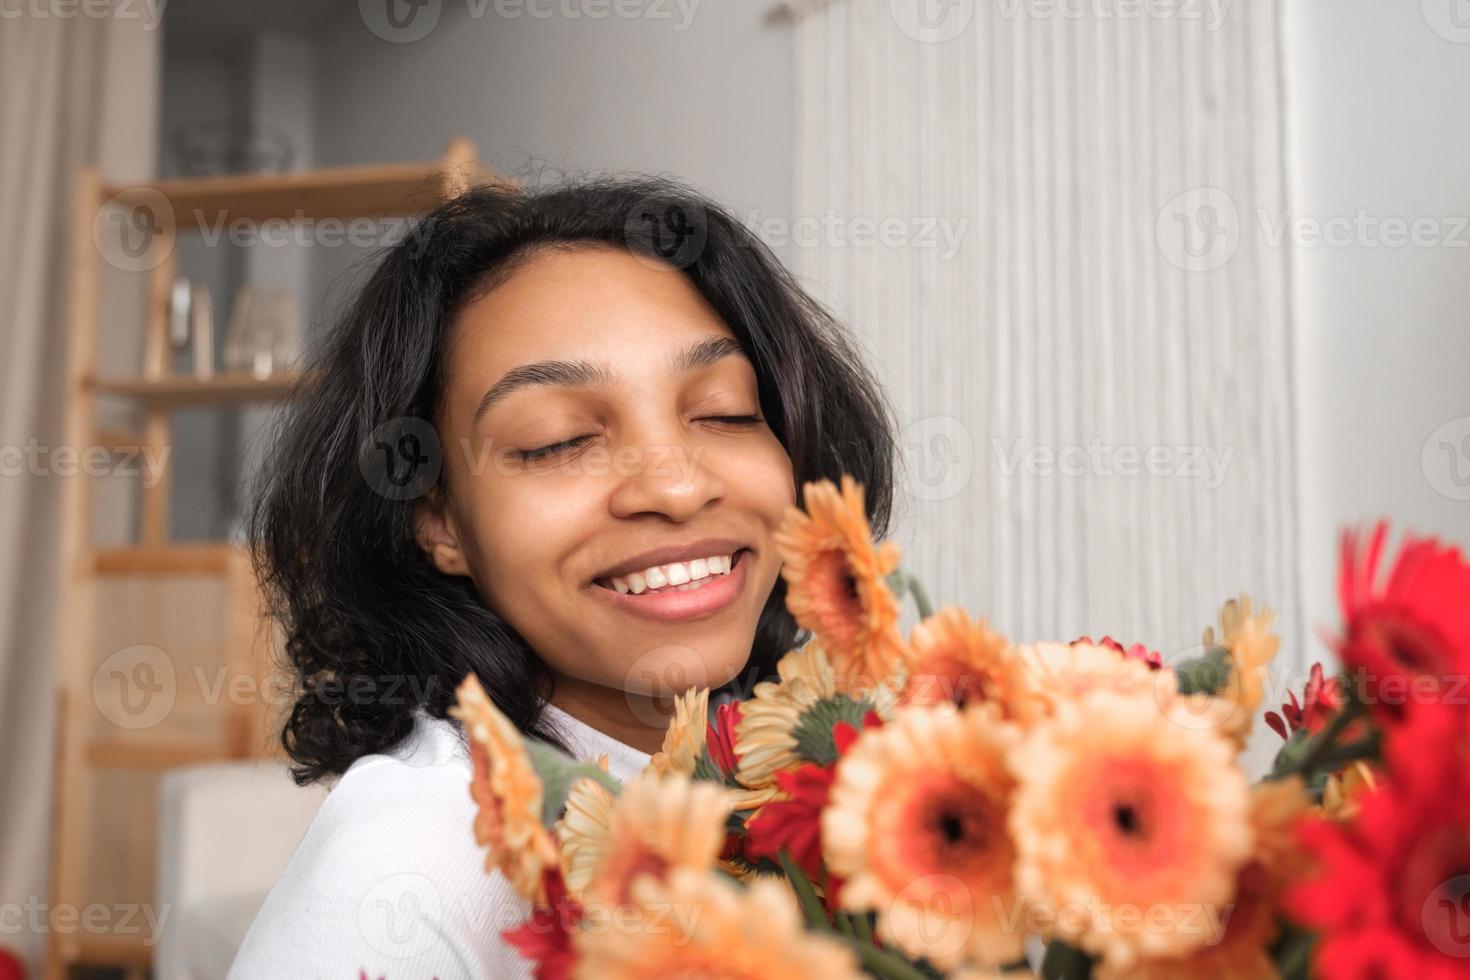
(638, 720)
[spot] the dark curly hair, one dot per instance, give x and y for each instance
(373, 630)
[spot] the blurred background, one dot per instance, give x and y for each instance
(1165, 293)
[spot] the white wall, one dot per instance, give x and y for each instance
(702, 93)
(1378, 123)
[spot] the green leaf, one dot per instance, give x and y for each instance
(558, 771)
(1065, 962)
(1204, 675)
(813, 730)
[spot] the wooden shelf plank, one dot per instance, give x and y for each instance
(219, 390)
(111, 949)
(199, 203)
(211, 558)
(154, 752)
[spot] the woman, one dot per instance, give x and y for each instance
(549, 443)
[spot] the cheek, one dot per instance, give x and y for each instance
(519, 531)
(762, 478)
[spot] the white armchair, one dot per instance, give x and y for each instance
(226, 832)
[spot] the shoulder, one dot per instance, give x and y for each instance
(389, 879)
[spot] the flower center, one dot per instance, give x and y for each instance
(1125, 816)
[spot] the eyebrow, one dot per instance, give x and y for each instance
(584, 374)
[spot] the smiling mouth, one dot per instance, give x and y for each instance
(677, 576)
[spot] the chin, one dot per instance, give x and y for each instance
(674, 668)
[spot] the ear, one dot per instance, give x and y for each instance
(437, 534)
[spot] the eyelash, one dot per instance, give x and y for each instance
(531, 455)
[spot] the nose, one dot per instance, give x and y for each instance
(667, 477)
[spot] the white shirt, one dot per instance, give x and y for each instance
(389, 879)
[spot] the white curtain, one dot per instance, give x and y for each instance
(1073, 288)
(74, 90)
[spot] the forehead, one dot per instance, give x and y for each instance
(590, 303)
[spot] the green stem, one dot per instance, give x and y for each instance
(805, 893)
(882, 963)
(862, 927)
(921, 597)
(1319, 750)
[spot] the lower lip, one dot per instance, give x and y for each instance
(675, 606)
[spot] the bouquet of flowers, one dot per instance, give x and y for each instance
(933, 805)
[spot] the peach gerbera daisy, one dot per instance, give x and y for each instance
(656, 823)
(582, 832)
(1062, 673)
(952, 658)
(1246, 636)
(702, 925)
(507, 793)
(1127, 812)
(916, 824)
(1242, 949)
(685, 738)
(765, 738)
(837, 584)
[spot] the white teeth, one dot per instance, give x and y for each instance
(677, 574)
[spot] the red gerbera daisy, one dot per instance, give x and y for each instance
(546, 938)
(1392, 893)
(1320, 701)
(1408, 640)
(795, 824)
(1137, 651)
(719, 739)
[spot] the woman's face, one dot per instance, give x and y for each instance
(603, 441)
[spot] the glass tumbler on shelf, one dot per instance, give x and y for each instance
(264, 332)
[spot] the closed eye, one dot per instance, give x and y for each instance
(531, 455)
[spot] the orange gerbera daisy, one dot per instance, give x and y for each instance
(1127, 812)
(702, 925)
(1243, 949)
(1246, 636)
(507, 792)
(656, 823)
(916, 825)
(837, 584)
(952, 658)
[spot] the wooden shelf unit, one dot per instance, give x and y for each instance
(85, 746)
